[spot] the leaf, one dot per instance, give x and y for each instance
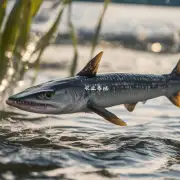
(12, 27)
(23, 38)
(25, 25)
(31, 7)
(45, 39)
(10, 35)
(21, 51)
(30, 10)
(35, 6)
(55, 4)
(98, 28)
(74, 41)
(3, 5)
(36, 66)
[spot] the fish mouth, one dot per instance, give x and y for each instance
(29, 105)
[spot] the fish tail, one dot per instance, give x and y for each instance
(175, 99)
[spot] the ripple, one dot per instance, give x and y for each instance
(71, 152)
(85, 147)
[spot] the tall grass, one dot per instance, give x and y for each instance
(74, 41)
(98, 27)
(20, 50)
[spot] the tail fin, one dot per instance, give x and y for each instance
(175, 99)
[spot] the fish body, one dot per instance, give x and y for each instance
(88, 91)
(114, 89)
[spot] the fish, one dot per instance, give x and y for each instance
(88, 91)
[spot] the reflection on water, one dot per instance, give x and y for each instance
(84, 146)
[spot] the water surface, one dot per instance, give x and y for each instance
(84, 146)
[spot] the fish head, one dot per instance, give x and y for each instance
(54, 97)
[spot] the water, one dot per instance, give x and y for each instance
(85, 146)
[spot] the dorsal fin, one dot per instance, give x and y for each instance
(91, 67)
(176, 70)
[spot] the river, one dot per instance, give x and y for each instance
(84, 146)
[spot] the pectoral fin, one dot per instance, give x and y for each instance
(106, 115)
(130, 107)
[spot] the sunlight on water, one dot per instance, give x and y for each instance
(156, 47)
(84, 146)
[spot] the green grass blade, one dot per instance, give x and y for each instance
(35, 6)
(25, 25)
(3, 5)
(21, 51)
(98, 28)
(44, 42)
(23, 38)
(74, 42)
(12, 27)
(45, 39)
(10, 35)
(31, 7)
(36, 66)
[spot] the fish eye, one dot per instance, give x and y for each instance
(45, 95)
(48, 95)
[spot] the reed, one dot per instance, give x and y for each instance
(74, 41)
(98, 27)
(21, 50)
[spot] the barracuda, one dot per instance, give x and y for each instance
(88, 91)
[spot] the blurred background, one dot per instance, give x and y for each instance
(41, 40)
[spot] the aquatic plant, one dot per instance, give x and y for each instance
(20, 49)
(74, 41)
(74, 37)
(98, 27)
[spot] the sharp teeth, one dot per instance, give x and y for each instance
(26, 103)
